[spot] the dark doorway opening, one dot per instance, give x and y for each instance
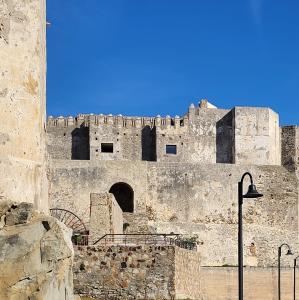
(124, 196)
(80, 143)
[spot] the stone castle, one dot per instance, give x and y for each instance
(180, 175)
(205, 134)
(134, 175)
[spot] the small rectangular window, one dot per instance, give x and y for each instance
(107, 147)
(171, 149)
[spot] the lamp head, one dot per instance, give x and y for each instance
(289, 252)
(252, 192)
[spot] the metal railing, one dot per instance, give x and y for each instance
(136, 239)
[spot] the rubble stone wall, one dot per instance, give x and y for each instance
(125, 272)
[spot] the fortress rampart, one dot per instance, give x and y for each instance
(208, 135)
(180, 175)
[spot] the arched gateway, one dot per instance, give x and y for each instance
(124, 196)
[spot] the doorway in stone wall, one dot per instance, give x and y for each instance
(124, 195)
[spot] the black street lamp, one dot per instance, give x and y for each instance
(252, 193)
(279, 256)
(294, 285)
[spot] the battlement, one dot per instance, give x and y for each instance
(118, 120)
(129, 121)
(242, 135)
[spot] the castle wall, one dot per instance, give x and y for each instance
(22, 101)
(196, 199)
(72, 182)
(126, 141)
(202, 199)
(257, 136)
(290, 147)
(203, 132)
(204, 135)
(68, 142)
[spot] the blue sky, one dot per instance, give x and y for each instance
(149, 57)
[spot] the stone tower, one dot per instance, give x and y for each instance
(22, 101)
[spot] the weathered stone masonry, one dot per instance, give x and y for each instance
(183, 172)
(239, 136)
(22, 101)
(193, 191)
(137, 272)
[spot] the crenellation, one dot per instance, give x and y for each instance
(205, 134)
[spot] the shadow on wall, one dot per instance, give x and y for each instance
(225, 140)
(148, 140)
(80, 143)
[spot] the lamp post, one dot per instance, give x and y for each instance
(294, 285)
(279, 256)
(252, 193)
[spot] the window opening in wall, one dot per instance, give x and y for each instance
(107, 147)
(171, 149)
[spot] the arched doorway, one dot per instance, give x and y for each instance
(124, 196)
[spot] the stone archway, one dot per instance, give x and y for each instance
(124, 195)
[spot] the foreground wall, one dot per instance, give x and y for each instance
(36, 255)
(137, 272)
(119, 272)
(22, 101)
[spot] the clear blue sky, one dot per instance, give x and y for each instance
(149, 57)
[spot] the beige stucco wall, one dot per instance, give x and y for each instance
(187, 274)
(22, 101)
(259, 283)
